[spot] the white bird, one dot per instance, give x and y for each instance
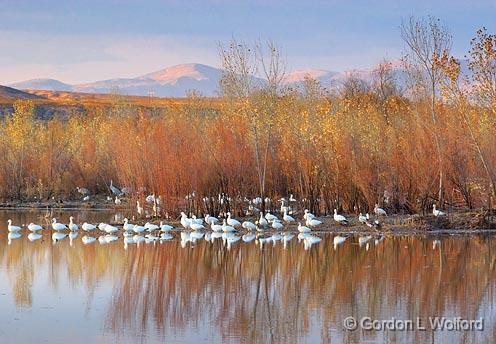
(277, 225)
(196, 220)
(216, 228)
(362, 218)
(339, 218)
(437, 212)
(12, 228)
(313, 222)
(101, 226)
(111, 229)
(151, 227)
(227, 228)
(232, 222)
(86, 198)
(338, 240)
(72, 225)
(164, 227)
(117, 201)
(58, 226)
(150, 199)
(34, 236)
(249, 225)
(211, 219)
(262, 222)
(185, 221)
(308, 215)
(138, 229)
(88, 239)
(269, 217)
(127, 226)
(379, 211)
(287, 218)
(34, 227)
(197, 226)
(303, 229)
(88, 227)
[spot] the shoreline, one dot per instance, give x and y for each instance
(458, 222)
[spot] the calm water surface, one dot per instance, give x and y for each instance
(154, 293)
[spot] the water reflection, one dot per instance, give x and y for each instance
(247, 293)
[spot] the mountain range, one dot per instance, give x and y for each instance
(176, 81)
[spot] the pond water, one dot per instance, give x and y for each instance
(161, 292)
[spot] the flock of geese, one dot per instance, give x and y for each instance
(268, 228)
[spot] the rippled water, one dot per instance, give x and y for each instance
(58, 293)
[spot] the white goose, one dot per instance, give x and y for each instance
(11, 227)
(313, 222)
(303, 229)
(72, 226)
(437, 212)
(58, 226)
(269, 217)
(216, 228)
(164, 227)
(308, 215)
(211, 219)
(262, 221)
(185, 221)
(111, 229)
(34, 227)
(197, 226)
(138, 229)
(339, 218)
(287, 218)
(227, 228)
(150, 227)
(249, 225)
(277, 225)
(128, 227)
(232, 222)
(88, 227)
(362, 218)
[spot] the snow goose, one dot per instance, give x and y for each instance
(11, 227)
(308, 215)
(58, 226)
(313, 222)
(249, 225)
(34, 227)
(362, 218)
(303, 229)
(232, 222)
(262, 222)
(277, 225)
(211, 219)
(437, 212)
(287, 218)
(164, 227)
(72, 226)
(127, 226)
(339, 218)
(227, 228)
(88, 227)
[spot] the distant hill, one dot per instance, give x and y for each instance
(10, 93)
(42, 84)
(177, 80)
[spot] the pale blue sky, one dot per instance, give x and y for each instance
(82, 41)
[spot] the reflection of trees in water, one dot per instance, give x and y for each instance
(250, 295)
